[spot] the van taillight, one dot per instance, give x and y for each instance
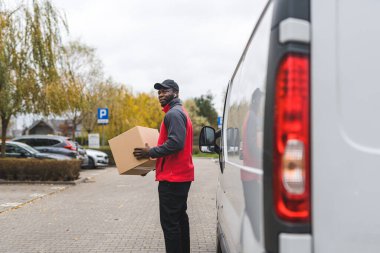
(291, 183)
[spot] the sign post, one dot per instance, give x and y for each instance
(103, 120)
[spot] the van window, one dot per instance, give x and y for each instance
(245, 104)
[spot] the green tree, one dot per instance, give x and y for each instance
(197, 120)
(30, 44)
(206, 108)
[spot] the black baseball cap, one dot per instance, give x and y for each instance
(167, 84)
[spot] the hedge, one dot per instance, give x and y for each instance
(196, 149)
(82, 140)
(39, 170)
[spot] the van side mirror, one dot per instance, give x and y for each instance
(207, 139)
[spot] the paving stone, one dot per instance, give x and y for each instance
(112, 213)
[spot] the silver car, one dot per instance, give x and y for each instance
(96, 158)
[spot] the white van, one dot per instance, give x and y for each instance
(300, 141)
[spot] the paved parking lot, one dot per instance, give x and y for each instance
(109, 213)
(13, 196)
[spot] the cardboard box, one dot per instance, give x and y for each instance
(122, 147)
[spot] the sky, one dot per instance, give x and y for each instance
(141, 42)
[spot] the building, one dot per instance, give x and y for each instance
(40, 127)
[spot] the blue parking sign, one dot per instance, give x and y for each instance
(220, 122)
(103, 115)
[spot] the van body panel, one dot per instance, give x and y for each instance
(345, 126)
(241, 182)
(357, 67)
(233, 206)
(248, 238)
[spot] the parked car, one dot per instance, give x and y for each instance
(47, 141)
(80, 149)
(62, 151)
(97, 158)
(21, 150)
(54, 144)
(303, 98)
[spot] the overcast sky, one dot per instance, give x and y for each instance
(140, 42)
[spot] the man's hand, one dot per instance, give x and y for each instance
(142, 153)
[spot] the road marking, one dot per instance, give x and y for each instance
(37, 195)
(10, 204)
(57, 187)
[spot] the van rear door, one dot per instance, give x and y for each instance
(345, 92)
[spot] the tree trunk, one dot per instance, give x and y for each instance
(74, 122)
(74, 129)
(4, 126)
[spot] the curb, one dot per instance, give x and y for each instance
(75, 182)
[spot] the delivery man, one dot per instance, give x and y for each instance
(174, 167)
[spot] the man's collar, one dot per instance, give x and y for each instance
(172, 103)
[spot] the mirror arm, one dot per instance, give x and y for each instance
(218, 134)
(217, 149)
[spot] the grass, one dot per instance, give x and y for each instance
(206, 155)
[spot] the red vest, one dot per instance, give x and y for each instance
(177, 167)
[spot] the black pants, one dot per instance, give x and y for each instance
(173, 216)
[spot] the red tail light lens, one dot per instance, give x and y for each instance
(292, 141)
(70, 146)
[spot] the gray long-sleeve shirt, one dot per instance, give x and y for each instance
(175, 122)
